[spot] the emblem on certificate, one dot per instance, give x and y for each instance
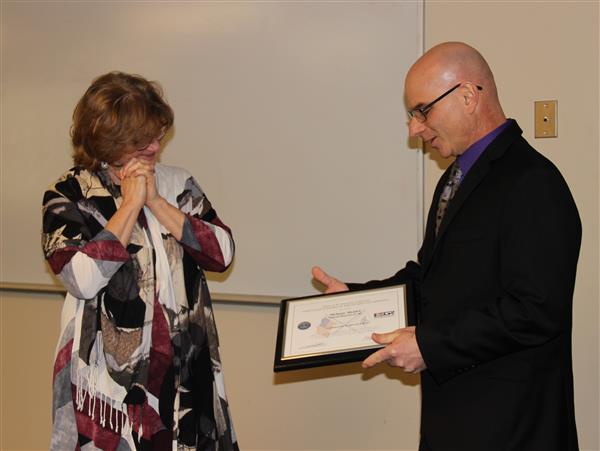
(336, 328)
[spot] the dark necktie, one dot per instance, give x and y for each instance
(448, 193)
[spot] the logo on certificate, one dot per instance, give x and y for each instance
(384, 314)
(303, 325)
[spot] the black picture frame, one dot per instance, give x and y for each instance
(337, 357)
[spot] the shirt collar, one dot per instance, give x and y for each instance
(468, 158)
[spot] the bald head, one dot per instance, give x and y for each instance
(471, 111)
(454, 62)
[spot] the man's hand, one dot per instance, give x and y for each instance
(402, 351)
(332, 285)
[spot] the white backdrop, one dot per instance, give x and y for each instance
(289, 114)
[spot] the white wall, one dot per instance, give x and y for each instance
(285, 112)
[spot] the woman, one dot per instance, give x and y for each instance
(137, 364)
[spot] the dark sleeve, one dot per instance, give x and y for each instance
(540, 235)
(409, 275)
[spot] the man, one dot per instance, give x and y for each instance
(495, 276)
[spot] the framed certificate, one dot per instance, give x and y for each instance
(336, 328)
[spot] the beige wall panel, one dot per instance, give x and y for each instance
(339, 407)
(332, 408)
(543, 51)
(28, 334)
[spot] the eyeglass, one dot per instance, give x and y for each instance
(420, 114)
(158, 138)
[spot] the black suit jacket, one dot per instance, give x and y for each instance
(494, 303)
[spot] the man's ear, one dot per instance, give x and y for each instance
(470, 96)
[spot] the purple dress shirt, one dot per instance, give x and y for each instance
(468, 158)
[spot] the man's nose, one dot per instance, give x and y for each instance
(415, 128)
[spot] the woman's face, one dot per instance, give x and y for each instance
(147, 154)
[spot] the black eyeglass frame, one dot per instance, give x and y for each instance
(420, 114)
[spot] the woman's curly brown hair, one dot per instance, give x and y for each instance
(118, 113)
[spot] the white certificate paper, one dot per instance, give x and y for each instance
(341, 322)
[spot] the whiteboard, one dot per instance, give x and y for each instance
(289, 114)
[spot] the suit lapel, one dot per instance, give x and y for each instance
(473, 178)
